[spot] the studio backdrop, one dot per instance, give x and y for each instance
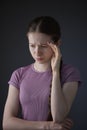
(14, 19)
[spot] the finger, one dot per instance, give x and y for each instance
(67, 125)
(69, 121)
(53, 47)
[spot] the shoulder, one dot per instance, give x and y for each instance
(69, 68)
(22, 70)
(18, 74)
(70, 73)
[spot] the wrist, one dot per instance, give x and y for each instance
(56, 73)
(47, 125)
(43, 126)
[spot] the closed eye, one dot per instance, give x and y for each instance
(44, 45)
(31, 45)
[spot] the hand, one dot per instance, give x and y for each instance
(65, 125)
(56, 58)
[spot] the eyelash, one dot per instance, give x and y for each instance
(45, 46)
(32, 46)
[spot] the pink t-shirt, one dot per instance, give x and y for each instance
(34, 89)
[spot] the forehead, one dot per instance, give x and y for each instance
(38, 38)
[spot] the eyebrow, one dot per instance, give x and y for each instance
(40, 43)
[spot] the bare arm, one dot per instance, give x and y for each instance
(10, 120)
(62, 98)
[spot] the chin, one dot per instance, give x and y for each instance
(42, 62)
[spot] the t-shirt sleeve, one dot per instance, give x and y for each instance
(15, 79)
(72, 75)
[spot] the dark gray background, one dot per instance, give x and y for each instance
(72, 16)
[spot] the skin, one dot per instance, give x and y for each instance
(52, 57)
(46, 56)
(39, 49)
(60, 108)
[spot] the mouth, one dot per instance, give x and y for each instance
(39, 59)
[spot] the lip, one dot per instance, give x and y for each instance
(39, 58)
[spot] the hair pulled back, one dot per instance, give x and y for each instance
(46, 25)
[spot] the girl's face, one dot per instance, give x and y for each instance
(39, 49)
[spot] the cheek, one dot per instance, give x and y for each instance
(31, 50)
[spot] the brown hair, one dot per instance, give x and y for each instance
(48, 26)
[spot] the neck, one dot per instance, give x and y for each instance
(42, 67)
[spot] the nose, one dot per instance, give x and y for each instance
(37, 50)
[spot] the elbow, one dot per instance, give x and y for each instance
(5, 125)
(61, 115)
(57, 119)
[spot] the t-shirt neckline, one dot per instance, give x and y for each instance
(32, 66)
